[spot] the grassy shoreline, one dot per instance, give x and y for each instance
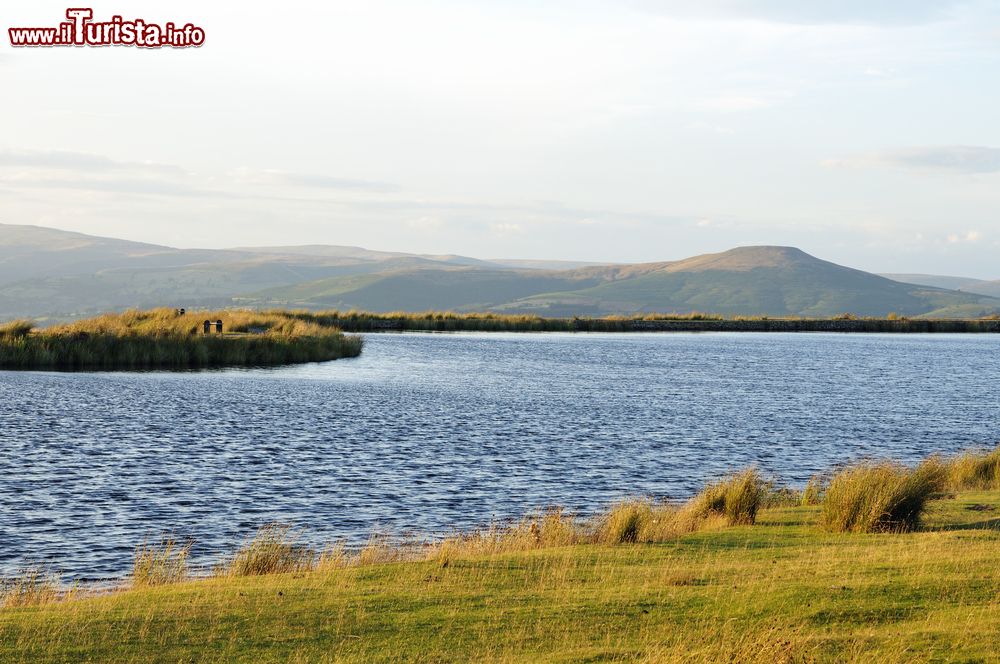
(354, 321)
(166, 339)
(742, 572)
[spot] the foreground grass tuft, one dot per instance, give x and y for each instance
(737, 498)
(275, 549)
(880, 497)
(156, 565)
(33, 587)
(975, 469)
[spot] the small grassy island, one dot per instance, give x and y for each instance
(169, 339)
(878, 563)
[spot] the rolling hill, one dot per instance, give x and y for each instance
(776, 281)
(51, 273)
(978, 286)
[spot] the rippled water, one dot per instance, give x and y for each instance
(426, 433)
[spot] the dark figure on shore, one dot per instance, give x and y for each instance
(218, 326)
(208, 326)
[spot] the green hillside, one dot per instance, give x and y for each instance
(420, 290)
(776, 281)
(48, 273)
(989, 288)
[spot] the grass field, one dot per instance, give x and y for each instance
(784, 589)
(167, 339)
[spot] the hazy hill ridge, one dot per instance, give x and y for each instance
(50, 272)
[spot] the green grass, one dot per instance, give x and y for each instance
(780, 590)
(165, 339)
(884, 568)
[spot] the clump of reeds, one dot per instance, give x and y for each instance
(975, 469)
(32, 587)
(16, 329)
(813, 492)
(627, 522)
(776, 495)
(154, 565)
(548, 528)
(880, 496)
(737, 498)
(275, 549)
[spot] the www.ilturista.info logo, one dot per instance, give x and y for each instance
(82, 30)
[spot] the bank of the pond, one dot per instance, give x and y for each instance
(174, 340)
(782, 590)
(745, 571)
(452, 322)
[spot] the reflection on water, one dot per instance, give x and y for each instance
(427, 433)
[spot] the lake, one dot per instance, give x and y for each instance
(428, 433)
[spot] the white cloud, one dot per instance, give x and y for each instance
(969, 237)
(506, 229)
(969, 159)
(809, 12)
(425, 223)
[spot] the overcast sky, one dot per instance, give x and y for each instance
(864, 132)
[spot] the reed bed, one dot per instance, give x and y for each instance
(166, 339)
(448, 321)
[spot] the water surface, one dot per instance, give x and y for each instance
(427, 433)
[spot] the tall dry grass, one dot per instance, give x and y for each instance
(164, 338)
(275, 549)
(737, 498)
(814, 491)
(974, 469)
(873, 497)
(155, 565)
(32, 587)
(449, 321)
(16, 329)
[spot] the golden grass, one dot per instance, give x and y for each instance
(275, 549)
(642, 581)
(974, 469)
(814, 490)
(881, 496)
(164, 338)
(782, 590)
(737, 498)
(16, 329)
(155, 565)
(32, 587)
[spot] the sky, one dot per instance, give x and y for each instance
(863, 132)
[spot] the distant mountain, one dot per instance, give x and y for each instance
(978, 286)
(51, 273)
(47, 272)
(777, 281)
(935, 280)
(988, 288)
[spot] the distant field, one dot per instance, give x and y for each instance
(167, 339)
